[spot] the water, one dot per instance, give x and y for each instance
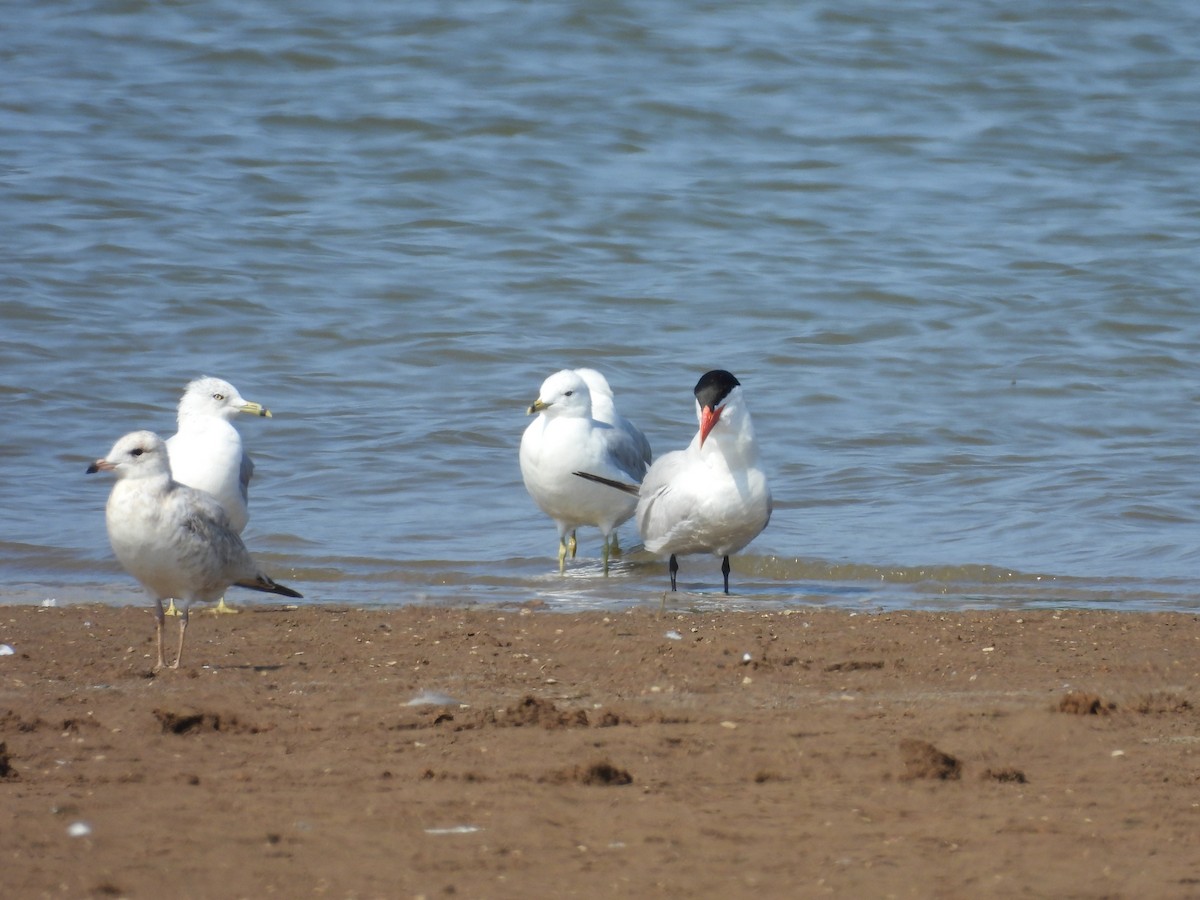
(949, 249)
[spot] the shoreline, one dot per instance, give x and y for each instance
(794, 752)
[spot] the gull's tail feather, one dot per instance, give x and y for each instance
(599, 479)
(267, 586)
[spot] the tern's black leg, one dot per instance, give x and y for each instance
(673, 568)
(725, 572)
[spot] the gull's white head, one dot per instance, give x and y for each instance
(596, 382)
(564, 393)
(216, 397)
(603, 406)
(139, 454)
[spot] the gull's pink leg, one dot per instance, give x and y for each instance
(158, 627)
(183, 620)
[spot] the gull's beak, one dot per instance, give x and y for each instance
(538, 406)
(100, 465)
(708, 418)
(255, 409)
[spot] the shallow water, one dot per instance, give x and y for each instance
(949, 250)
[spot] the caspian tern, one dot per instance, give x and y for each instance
(711, 497)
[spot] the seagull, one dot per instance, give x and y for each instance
(206, 452)
(604, 409)
(711, 497)
(177, 541)
(565, 437)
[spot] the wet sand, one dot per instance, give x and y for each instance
(684, 754)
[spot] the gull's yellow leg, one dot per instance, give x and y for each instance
(616, 546)
(222, 608)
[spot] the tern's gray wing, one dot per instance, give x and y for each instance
(668, 505)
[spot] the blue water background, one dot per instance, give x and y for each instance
(949, 249)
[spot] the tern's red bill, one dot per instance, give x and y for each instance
(708, 418)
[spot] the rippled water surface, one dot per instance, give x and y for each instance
(949, 249)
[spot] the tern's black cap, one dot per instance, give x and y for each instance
(713, 387)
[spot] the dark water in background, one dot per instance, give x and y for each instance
(950, 250)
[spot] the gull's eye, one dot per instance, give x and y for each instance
(218, 397)
(569, 394)
(137, 451)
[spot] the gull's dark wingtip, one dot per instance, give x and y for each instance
(612, 483)
(267, 586)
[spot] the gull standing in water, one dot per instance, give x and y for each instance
(711, 497)
(177, 541)
(604, 409)
(206, 451)
(565, 437)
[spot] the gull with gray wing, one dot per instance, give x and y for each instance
(206, 451)
(565, 437)
(604, 409)
(177, 541)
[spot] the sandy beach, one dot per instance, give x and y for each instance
(679, 754)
